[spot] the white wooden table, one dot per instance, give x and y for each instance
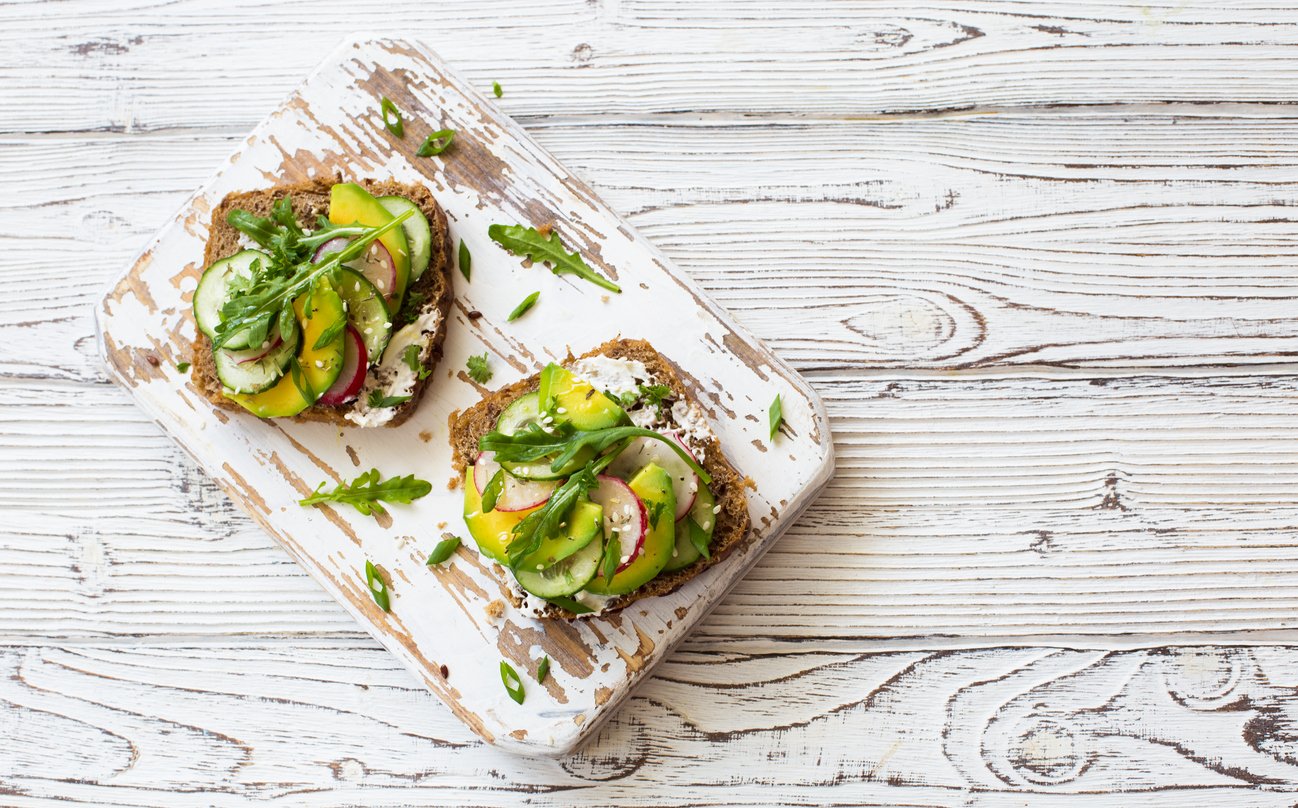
(1039, 259)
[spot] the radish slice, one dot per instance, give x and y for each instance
(625, 517)
(255, 354)
(643, 451)
(355, 362)
(376, 264)
(333, 245)
(517, 495)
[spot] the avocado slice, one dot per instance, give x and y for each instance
(576, 401)
(491, 531)
(320, 366)
(653, 485)
(349, 203)
(584, 522)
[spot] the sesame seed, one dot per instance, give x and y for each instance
(319, 363)
(626, 558)
(561, 410)
(716, 509)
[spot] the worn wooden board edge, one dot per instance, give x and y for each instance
(734, 567)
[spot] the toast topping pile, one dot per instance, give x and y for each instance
(328, 316)
(593, 485)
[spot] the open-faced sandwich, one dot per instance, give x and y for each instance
(597, 482)
(323, 301)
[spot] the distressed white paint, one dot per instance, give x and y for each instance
(974, 473)
(495, 174)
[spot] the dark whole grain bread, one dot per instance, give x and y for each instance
(731, 529)
(311, 200)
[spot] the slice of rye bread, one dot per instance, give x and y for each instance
(311, 200)
(727, 485)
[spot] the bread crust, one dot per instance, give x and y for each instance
(310, 200)
(731, 529)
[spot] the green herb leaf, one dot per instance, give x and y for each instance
(392, 117)
(513, 684)
(521, 308)
(699, 538)
(612, 557)
(411, 357)
(652, 395)
(656, 510)
(526, 241)
(492, 492)
(367, 491)
(497, 89)
(571, 605)
(532, 443)
(436, 143)
(532, 530)
(377, 586)
(777, 416)
(271, 287)
(466, 260)
(444, 550)
(543, 670)
(183, 367)
(330, 334)
(479, 370)
(378, 401)
(299, 380)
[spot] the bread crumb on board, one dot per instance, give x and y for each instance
(495, 609)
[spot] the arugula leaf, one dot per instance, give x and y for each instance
(532, 443)
(436, 143)
(411, 357)
(367, 491)
(183, 367)
(466, 260)
(777, 416)
(522, 308)
(497, 89)
(479, 370)
(392, 117)
(526, 241)
(269, 291)
(532, 530)
(378, 401)
(543, 670)
(513, 684)
(377, 586)
(444, 550)
(493, 490)
(330, 334)
(656, 511)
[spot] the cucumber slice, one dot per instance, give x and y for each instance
(255, 376)
(566, 577)
(366, 311)
(523, 411)
(213, 291)
(418, 233)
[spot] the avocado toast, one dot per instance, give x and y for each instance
(597, 482)
(323, 301)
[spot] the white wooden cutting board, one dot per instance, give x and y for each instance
(439, 622)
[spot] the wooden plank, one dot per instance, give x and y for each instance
(328, 722)
(1005, 508)
(150, 65)
(493, 174)
(1080, 240)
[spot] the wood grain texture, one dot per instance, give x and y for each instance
(1119, 206)
(831, 724)
(649, 56)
